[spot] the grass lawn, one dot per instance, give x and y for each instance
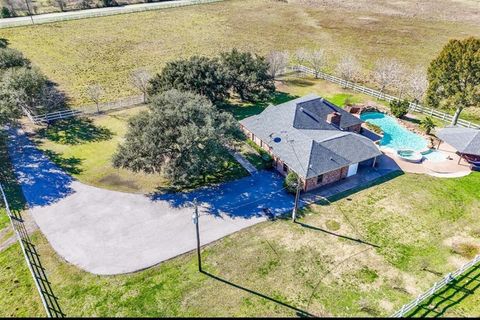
(84, 148)
(105, 50)
(412, 230)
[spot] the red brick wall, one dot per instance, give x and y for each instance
(329, 177)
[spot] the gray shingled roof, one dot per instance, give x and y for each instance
(465, 140)
(298, 133)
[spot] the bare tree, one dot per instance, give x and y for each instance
(400, 83)
(85, 4)
(417, 84)
(140, 79)
(316, 60)
(301, 56)
(95, 93)
(348, 68)
(52, 99)
(386, 73)
(278, 62)
(61, 4)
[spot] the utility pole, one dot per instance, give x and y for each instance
(297, 197)
(29, 11)
(195, 222)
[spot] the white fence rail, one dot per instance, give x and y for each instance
(136, 100)
(437, 286)
(89, 109)
(383, 96)
(97, 12)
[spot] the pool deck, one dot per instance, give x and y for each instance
(444, 169)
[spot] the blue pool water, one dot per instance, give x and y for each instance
(394, 135)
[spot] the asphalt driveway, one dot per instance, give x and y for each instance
(107, 232)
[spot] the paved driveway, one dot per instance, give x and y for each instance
(107, 232)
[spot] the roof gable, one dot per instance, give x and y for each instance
(297, 132)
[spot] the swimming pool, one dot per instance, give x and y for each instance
(398, 138)
(395, 136)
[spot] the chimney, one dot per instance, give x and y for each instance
(334, 118)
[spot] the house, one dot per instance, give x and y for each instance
(317, 140)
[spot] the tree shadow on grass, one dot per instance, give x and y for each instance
(299, 82)
(69, 165)
(75, 131)
(451, 295)
(299, 312)
(411, 120)
(244, 110)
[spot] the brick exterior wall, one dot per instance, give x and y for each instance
(329, 177)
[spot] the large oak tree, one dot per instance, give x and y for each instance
(454, 77)
(201, 75)
(182, 135)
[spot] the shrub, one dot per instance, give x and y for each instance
(110, 3)
(428, 124)
(5, 13)
(10, 58)
(399, 108)
(290, 182)
(266, 158)
(467, 250)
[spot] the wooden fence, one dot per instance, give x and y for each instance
(436, 287)
(383, 96)
(48, 298)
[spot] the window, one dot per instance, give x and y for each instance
(320, 179)
(285, 167)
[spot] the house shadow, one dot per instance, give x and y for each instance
(371, 135)
(249, 197)
(74, 131)
(42, 181)
(299, 312)
(244, 110)
(346, 194)
(451, 295)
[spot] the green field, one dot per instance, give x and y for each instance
(105, 50)
(365, 254)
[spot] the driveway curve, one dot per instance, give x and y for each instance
(107, 232)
